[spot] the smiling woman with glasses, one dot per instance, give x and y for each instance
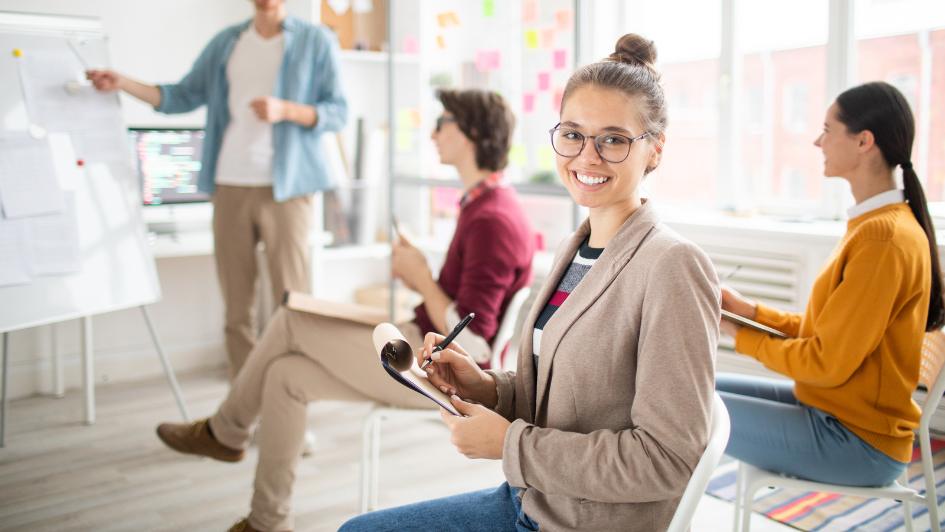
(607, 414)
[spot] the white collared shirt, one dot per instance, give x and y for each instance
(880, 200)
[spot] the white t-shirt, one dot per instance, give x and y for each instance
(246, 154)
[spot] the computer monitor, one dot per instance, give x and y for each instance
(168, 162)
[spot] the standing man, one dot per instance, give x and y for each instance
(272, 88)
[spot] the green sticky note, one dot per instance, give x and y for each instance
(517, 155)
(546, 158)
(488, 8)
(531, 39)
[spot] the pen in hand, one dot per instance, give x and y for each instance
(449, 338)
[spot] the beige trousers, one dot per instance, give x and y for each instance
(300, 358)
(242, 217)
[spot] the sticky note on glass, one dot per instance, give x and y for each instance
(544, 81)
(487, 60)
(447, 19)
(563, 19)
(529, 11)
(531, 39)
(546, 158)
(517, 155)
(440, 42)
(411, 45)
(408, 118)
(559, 59)
(405, 140)
(547, 38)
(488, 8)
(556, 100)
(528, 102)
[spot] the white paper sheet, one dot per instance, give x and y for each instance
(59, 98)
(28, 182)
(14, 253)
(54, 241)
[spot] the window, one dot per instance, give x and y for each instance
(689, 67)
(897, 45)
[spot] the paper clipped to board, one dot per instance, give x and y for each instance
(399, 361)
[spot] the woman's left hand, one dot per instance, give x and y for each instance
(481, 434)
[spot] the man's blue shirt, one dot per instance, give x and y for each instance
(308, 75)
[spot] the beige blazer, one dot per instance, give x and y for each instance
(609, 433)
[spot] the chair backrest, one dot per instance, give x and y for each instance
(930, 373)
(507, 326)
(718, 439)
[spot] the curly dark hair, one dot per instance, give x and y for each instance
(487, 120)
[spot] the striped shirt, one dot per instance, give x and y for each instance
(585, 257)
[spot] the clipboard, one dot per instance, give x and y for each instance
(751, 324)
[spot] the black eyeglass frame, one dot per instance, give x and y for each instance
(630, 140)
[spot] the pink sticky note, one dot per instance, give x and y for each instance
(563, 19)
(556, 100)
(544, 81)
(560, 58)
(411, 45)
(547, 38)
(528, 102)
(487, 60)
(529, 11)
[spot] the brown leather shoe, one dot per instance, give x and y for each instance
(195, 438)
(242, 526)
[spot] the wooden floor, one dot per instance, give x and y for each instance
(57, 474)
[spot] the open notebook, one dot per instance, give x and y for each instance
(398, 360)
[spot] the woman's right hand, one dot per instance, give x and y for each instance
(732, 301)
(454, 372)
(104, 80)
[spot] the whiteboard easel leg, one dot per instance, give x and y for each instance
(59, 382)
(88, 369)
(168, 371)
(3, 395)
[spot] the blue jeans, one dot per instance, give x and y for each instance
(771, 429)
(486, 510)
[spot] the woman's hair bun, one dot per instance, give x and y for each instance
(635, 50)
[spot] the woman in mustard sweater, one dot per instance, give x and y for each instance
(854, 353)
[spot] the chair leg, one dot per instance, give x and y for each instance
(739, 487)
(376, 460)
(928, 476)
(367, 465)
(748, 499)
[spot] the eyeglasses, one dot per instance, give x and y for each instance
(443, 120)
(612, 147)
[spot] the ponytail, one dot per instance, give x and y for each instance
(916, 199)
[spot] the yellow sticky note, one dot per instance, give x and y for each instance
(546, 158)
(531, 39)
(517, 155)
(404, 140)
(440, 42)
(17, 52)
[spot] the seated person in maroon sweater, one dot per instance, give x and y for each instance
(304, 357)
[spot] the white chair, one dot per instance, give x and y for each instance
(718, 439)
(751, 479)
(371, 435)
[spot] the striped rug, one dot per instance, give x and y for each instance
(811, 510)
